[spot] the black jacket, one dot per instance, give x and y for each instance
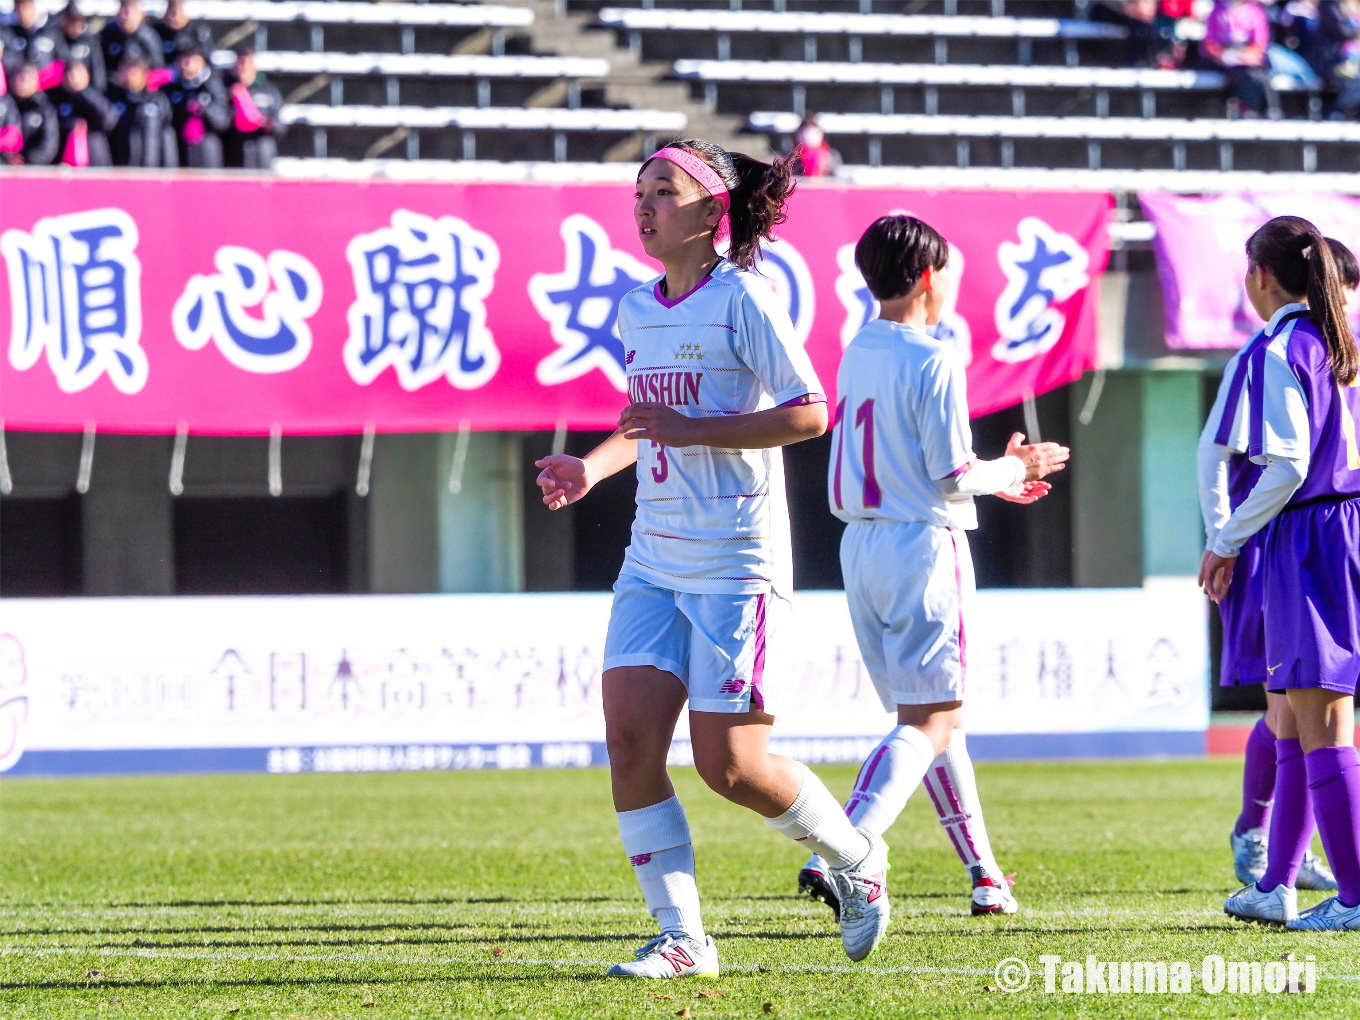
(88, 105)
(116, 44)
(194, 33)
(38, 122)
(85, 49)
(39, 45)
(1323, 48)
(205, 97)
(142, 136)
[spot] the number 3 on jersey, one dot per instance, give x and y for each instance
(864, 416)
(662, 467)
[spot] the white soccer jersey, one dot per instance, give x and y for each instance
(712, 520)
(901, 423)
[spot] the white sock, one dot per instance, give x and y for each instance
(657, 842)
(888, 777)
(953, 790)
(817, 820)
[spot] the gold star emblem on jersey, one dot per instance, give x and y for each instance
(689, 352)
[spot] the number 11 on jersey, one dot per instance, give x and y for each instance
(864, 417)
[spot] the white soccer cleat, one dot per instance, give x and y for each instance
(1249, 855)
(1329, 915)
(1314, 875)
(669, 956)
(815, 881)
(1279, 906)
(863, 894)
(991, 896)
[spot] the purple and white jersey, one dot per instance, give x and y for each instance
(711, 520)
(1299, 411)
(901, 423)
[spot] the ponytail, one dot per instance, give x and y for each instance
(759, 191)
(1294, 251)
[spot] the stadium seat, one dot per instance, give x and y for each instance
(324, 12)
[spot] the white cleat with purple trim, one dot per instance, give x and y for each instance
(671, 956)
(863, 894)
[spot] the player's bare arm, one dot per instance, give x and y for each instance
(777, 426)
(565, 479)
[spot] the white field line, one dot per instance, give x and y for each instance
(415, 961)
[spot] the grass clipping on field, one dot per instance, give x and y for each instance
(507, 894)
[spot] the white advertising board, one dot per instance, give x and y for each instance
(472, 681)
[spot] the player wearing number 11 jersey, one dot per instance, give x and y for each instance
(903, 476)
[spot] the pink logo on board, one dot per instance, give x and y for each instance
(13, 701)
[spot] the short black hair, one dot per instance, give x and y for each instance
(1346, 266)
(894, 253)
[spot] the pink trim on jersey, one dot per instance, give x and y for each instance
(960, 469)
(758, 668)
(806, 398)
(668, 303)
(963, 637)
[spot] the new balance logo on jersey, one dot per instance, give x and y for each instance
(677, 958)
(678, 389)
(628, 358)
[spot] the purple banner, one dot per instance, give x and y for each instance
(1201, 258)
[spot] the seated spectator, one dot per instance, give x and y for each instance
(816, 158)
(82, 46)
(32, 38)
(143, 135)
(84, 119)
(252, 141)
(201, 109)
(129, 34)
(1151, 39)
(11, 136)
(178, 31)
(1334, 53)
(37, 121)
(1235, 40)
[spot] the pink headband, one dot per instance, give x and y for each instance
(704, 174)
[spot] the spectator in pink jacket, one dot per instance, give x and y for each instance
(1235, 40)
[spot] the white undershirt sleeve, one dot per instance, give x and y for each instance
(1280, 480)
(983, 477)
(1214, 504)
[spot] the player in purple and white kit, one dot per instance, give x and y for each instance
(903, 476)
(717, 382)
(1302, 401)
(1226, 475)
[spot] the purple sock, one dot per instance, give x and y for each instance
(1258, 779)
(1334, 778)
(1291, 827)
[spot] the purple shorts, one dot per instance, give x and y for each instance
(1312, 603)
(1244, 632)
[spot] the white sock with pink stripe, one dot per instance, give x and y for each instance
(888, 777)
(953, 792)
(657, 842)
(816, 820)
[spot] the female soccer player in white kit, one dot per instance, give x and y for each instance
(903, 476)
(717, 382)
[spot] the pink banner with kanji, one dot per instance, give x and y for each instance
(236, 305)
(1201, 257)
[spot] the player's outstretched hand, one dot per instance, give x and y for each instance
(658, 422)
(1040, 459)
(1215, 574)
(1025, 492)
(563, 479)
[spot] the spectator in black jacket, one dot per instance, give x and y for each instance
(143, 135)
(201, 108)
(84, 117)
(129, 34)
(178, 31)
(82, 45)
(37, 120)
(32, 38)
(1333, 51)
(256, 128)
(11, 135)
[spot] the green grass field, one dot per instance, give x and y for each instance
(507, 894)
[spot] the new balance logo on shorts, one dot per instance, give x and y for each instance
(734, 686)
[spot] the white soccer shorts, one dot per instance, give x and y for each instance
(717, 645)
(910, 589)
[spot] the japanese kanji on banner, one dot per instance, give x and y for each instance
(379, 682)
(150, 303)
